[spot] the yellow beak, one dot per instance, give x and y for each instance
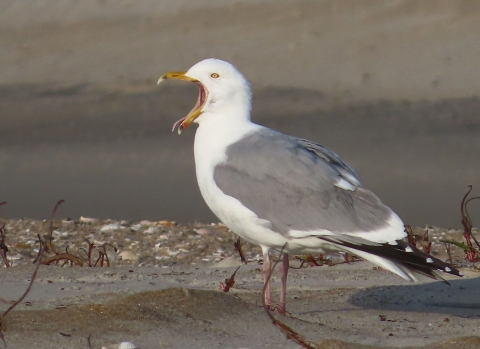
(197, 109)
(178, 75)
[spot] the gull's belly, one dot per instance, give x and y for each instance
(239, 218)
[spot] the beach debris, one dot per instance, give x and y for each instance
(330, 260)
(467, 225)
(102, 254)
(422, 240)
(136, 227)
(203, 231)
(3, 246)
(122, 345)
(151, 230)
(88, 220)
(411, 238)
(225, 287)
(128, 256)
(170, 244)
(65, 257)
(425, 243)
(166, 248)
(42, 249)
(312, 261)
(238, 246)
(472, 252)
(449, 252)
(111, 227)
(167, 223)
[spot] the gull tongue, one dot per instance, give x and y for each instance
(178, 122)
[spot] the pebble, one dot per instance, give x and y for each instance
(203, 231)
(111, 227)
(123, 345)
(88, 220)
(202, 244)
(151, 230)
(128, 256)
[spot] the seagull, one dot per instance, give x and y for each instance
(287, 194)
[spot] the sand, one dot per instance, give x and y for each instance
(163, 290)
(369, 49)
(181, 307)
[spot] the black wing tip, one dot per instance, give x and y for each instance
(403, 254)
(434, 264)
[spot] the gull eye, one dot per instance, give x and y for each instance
(215, 75)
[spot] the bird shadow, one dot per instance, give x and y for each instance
(460, 299)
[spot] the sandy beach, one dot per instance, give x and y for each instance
(390, 86)
(162, 290)
(183, 307)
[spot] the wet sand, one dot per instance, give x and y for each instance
(392, 87)
(111, 154)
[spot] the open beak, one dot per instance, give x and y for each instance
(197, 109)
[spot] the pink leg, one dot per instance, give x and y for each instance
(266, 272)
(283, 270)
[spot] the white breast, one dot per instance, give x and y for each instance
(211, 142)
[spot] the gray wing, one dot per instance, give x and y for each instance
(298, 185)
(344, 170)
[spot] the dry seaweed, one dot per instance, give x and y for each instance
(34, 274)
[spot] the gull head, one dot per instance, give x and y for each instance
(222, 90)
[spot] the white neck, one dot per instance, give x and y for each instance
(215, 133)
(227, 105)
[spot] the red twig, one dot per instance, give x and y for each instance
(238, 246)
(467, 227)
(34, 275)
(225, 287)
(426, 245)
(65, 257)
(412, 241)
(104, 246)
(449, 252)
(3, 247)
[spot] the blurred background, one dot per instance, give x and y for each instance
(391, 86)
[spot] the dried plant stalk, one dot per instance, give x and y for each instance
(34, 275)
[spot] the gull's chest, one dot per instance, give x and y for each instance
(211, 151)
(212, 141)
(227, 208)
